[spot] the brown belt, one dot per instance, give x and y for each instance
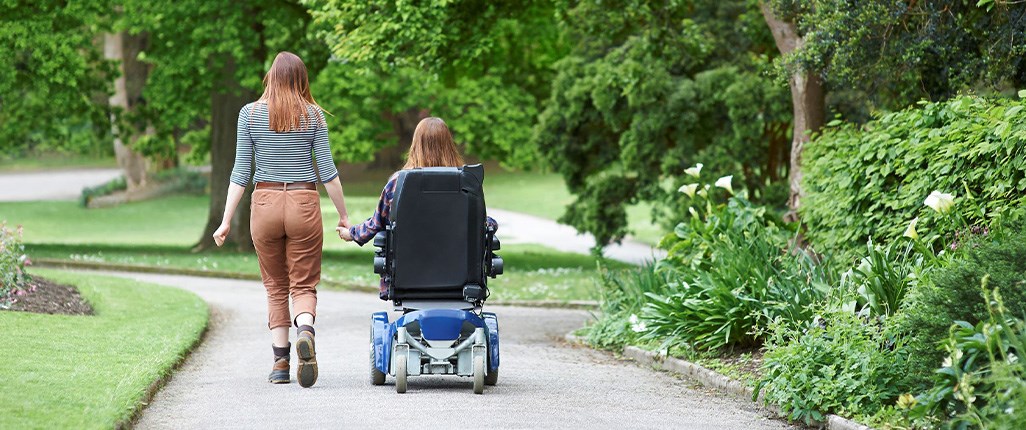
(286, 186)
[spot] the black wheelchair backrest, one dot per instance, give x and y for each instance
(438, 233)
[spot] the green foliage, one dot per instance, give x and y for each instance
(954, 295)
(623, 295)
(196, 47)
(868, 182)
(883, 278)
(483, 67)
(12, 263)
(842, 364)
(53, 80)
(651, 88)
(734, 277)
(982, 378)
(897, 51)
(489, 118)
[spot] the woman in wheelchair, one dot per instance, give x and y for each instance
(432, 146)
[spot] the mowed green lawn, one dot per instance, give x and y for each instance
(93, 371)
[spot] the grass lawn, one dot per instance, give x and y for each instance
(532, 272)
(92, 371)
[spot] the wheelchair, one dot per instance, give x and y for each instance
(436, 254)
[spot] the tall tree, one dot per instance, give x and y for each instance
(124, 49)
(53, 77)
(652, 88)
(483, 66)
(808, 103)
(208, 60)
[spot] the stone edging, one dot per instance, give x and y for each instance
(91, 265)
(713, 379)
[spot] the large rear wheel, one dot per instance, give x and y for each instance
(377, 377)
(492, 377)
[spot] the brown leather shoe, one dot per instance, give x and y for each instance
(307, 372)
(280, 371)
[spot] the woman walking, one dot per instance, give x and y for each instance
(280, 134)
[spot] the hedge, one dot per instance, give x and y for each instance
(870, 181)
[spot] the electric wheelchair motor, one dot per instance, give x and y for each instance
(437, 254)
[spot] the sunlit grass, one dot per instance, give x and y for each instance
(92, 371)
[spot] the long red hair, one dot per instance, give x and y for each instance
(433, 146)
(287, 94)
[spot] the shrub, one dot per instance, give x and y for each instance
(868, 181)
(177, 180)
(12, 264)
(954, 295)
(843, 364)
(735, 275)
(106, 188)
(623, 293)
(982, 380)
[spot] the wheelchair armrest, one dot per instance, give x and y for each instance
(495, 266)
(381, 239)
(381, 256)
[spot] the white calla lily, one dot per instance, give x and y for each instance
(694, 171)
(688, 189)
(724, 183)
(940, 202)
(910, 232)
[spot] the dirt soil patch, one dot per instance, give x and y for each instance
(44, 296)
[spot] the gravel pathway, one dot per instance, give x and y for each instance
(544, 383)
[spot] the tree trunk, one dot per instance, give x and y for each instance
(125, 48)
(807, 99)
(226, 100)
(404, 124)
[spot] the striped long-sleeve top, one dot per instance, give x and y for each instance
(280, 157)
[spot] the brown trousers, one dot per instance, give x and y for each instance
(288, 234)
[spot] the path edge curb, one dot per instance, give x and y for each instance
(713, 379)
(159, 383)
(57, 263)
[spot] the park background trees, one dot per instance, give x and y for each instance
(617, 97)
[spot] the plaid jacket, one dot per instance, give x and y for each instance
(365, 231)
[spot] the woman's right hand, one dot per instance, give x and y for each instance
(344, 234)
(221, 234)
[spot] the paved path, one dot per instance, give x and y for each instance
(544, 383)
(52, 184)
(515, 227)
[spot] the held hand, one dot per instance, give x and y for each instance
(343, 233)
(221, 234)
(343, 221)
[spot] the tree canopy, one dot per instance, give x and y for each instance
(53, 80)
